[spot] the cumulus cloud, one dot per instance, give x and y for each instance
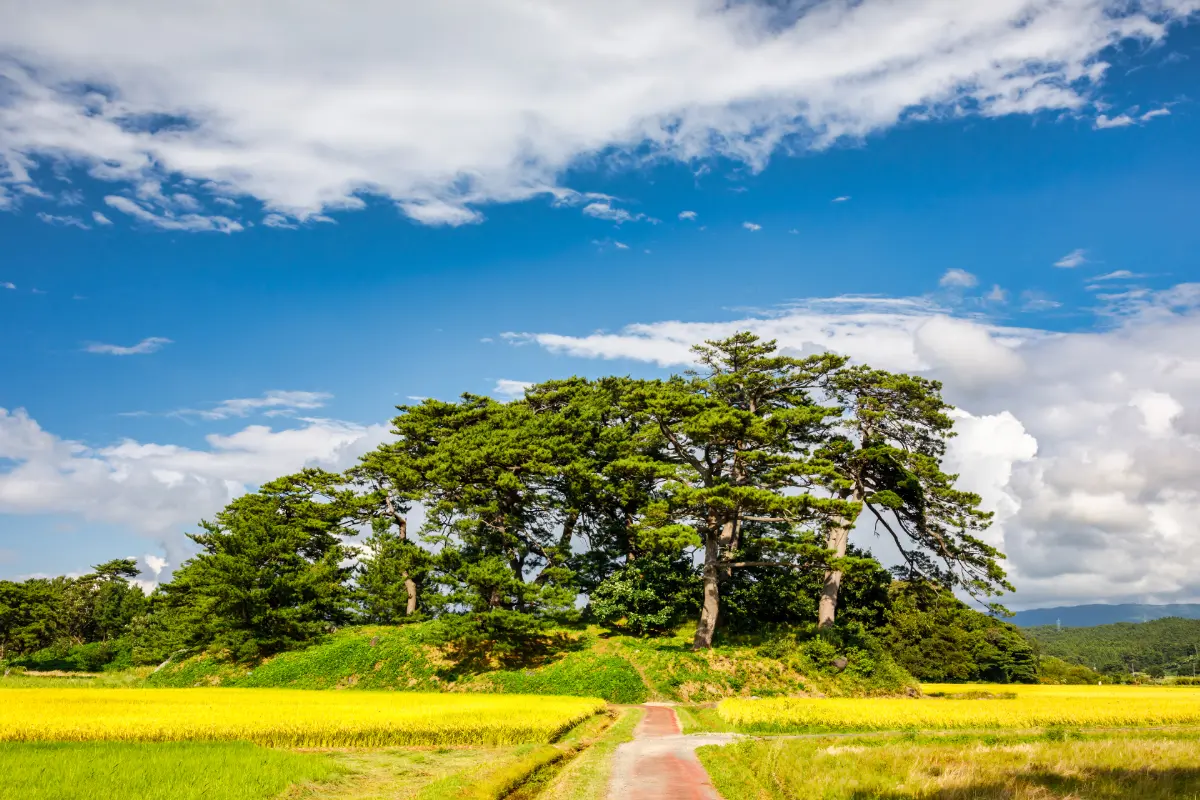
(606, 210)
(274, 403)
(687, 214)
(8, 285)
(997, 294)
(307, 106)
(160, 489)
(151, 344)
(509, 389)
(957, 279)
(100, 219)
(1086, 445)
(752, 226)
(1072, 259)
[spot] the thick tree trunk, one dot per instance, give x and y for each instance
(712, 596)
(837, 540)
(410, 586)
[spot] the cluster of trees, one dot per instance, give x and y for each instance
(728, 492)
(1161, 647)
(64, 615)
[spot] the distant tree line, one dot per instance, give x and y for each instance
(77, 623)
(1159, 648)
(726, 493)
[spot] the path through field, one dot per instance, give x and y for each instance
(660, 763)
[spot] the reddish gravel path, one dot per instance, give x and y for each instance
(660, 763)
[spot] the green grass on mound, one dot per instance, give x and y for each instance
(132, 771)
(585, 663)
(401, 659)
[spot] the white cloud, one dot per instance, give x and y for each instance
(752, 226)
(1033, 300)
(620, 245)
(161, 489)
(842, 199)
(605, 210)
(1119, 121)
(1087, 445)
(100, 218)
(510, 389)
(1118, 275)
(274, 403)
(957, 279)
(687, 215)
(1125, 120)
(156, 564)
(1072, 259)
(996, 294)
(172, 221)
(151, 344)
(7, 285)
(444, 107)
(66, 221)
(278, 221)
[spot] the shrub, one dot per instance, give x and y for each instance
(648, 597)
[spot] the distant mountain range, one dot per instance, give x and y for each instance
(1101, 614)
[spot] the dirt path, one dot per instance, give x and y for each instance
(660, 763)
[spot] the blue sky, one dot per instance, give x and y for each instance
(286, 299)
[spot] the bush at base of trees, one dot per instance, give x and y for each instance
(939, 639)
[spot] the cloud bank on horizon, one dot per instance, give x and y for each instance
(1086, 445)
(306, 107)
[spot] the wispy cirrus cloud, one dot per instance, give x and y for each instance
(274, 403)
(146, 346)
(1072, 259)
(171, 221)
(65, 220)
(443, 108)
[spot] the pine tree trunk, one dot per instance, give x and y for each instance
(837, 540)
(712, 596)
(410, 586)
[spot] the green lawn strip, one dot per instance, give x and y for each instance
(1102, 765)
(586, 776)
(495, 779)
(151, 771)
(396, 772)
(701, 719)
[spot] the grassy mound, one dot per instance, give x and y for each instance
(585, 663)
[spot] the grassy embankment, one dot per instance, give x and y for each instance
(583, 663)
(1147, 766)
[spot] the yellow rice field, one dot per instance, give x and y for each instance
(1031, 707)
(286, 717)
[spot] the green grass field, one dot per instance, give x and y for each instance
(1053, 767)
(138, 771)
